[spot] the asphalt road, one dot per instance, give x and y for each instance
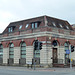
(5, 70)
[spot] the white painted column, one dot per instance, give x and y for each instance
(5, 55)
(29, 53)
(61, 53)
(16, 55)
(44, 55)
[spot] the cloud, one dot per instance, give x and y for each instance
(14, 10)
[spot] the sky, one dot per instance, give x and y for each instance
(16, 10)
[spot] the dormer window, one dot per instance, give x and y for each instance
(10, 29)
(67, 27)
(53, 24)
(34, 25)
(27, 25)
(61, 25)
(20, 26)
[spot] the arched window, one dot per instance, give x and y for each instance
(23, 50)
(1, 51)
(11, 50)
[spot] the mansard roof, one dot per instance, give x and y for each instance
(50, 21)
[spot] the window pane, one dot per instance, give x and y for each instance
(1, 56)
(23, 52)
(11, 49)
(11, 45)
(35, 25)
(23, 56)
(23, 44)
(11, 52)
(23, 48)
(1, 46)
(9, 29)
(32, 25)
(11, 56)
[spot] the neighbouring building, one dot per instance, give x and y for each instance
(73, 25)
(16, 42)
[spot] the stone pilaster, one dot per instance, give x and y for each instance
(29, 53)
(61, 54)
(16, 55)
(5, 55)
(44, 55)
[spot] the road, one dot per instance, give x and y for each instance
(8, 70)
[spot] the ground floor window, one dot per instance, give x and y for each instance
(1, 51)
(23, 50)
(11, 50)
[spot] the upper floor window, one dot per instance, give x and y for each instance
(61, 25)
(11, 50)
(27, 25)
(53, 24)
(67, 27)
(10, 29)
(1, 51)
(20, 26)
(34, 25)
(23, 49)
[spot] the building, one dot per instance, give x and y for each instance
(16, 42)
(73, 25)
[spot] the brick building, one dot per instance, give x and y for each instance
(16, 42)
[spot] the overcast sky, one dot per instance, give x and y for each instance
(15, 10)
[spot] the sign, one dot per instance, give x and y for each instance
(71, 59)
(67, 51)
(29, 62)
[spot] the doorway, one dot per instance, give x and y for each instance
(55, 57)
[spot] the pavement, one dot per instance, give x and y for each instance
(39, 69)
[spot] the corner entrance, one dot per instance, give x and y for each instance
(55, 59)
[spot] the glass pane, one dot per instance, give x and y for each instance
(11, 52)
(1, 50)
(23, 56)
(66, 48)
(35, 25)
(23, 44)
(23, 52)
(32, 25)
(9, 29)
(11, 45)
(23, 48)
(11, 49)
(11, 56)
(1, 46)
(1, 53)
(37, 55)
(1, 56)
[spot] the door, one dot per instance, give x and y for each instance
(55, 55)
